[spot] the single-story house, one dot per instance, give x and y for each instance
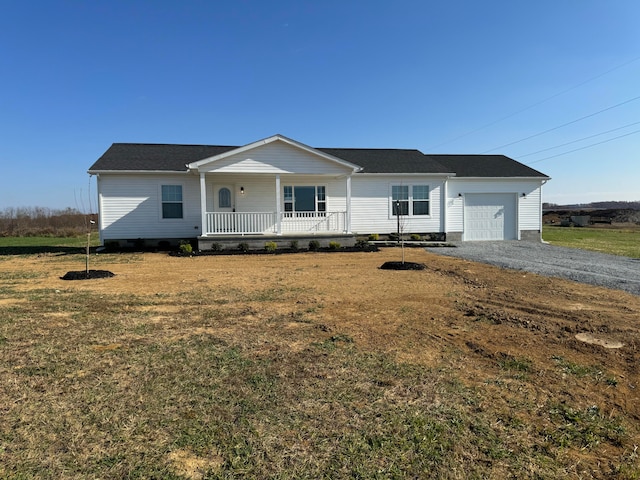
(278, 189)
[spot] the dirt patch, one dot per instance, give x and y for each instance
(593, 340)
(191, 466)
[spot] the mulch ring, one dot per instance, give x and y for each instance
(402, 266)
(87, 275)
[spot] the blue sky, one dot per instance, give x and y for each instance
(442, 76)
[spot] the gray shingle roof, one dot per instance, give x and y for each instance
(168, 157)
(485, 166)
(154, 157)
(387, 160)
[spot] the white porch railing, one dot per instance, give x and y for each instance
(313, 222)
(249, 223)
(222, 223)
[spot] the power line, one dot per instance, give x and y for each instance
(587, 146)
(535, 104)
(578, 140)
(563, 125)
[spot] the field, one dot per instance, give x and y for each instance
(312, 365)
(39, 245)
(617, 239)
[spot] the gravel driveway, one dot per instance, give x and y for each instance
(608, 271)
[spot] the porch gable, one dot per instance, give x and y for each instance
(275, 155)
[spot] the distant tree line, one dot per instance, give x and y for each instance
(44, 222)
(609, 205)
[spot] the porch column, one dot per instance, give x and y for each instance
(203, 204)
(278, 213)
(347, 220)
(444, 200)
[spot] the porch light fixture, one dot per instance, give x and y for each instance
(241, 190)
(459, 194)
(524, 195)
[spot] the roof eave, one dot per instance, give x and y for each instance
(539, 178)
(98, 172)
(396, 174)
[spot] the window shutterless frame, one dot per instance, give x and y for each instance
(409, 200)
(171, 202)
(304, 199)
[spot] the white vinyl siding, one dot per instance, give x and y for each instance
(527, 211)
(131, 206)
(276, 157)
(371, 211)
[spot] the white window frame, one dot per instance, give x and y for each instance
(316, 212)
(410, 199)
(162, 202)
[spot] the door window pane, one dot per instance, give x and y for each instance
(224, 198)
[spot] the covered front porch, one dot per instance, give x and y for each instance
(274, 187)
(274, 205)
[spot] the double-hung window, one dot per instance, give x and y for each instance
(172, 201)
(304, 200)
(420, 199)
(400, 199)
(409, 200)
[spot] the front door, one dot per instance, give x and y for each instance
(224, 219)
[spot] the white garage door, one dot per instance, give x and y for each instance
(490, 216)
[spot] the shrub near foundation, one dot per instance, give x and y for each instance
(185, 248)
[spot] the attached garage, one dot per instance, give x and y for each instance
(490, 216)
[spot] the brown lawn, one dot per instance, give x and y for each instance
(507, 338)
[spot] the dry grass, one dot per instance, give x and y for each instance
(310, 366)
